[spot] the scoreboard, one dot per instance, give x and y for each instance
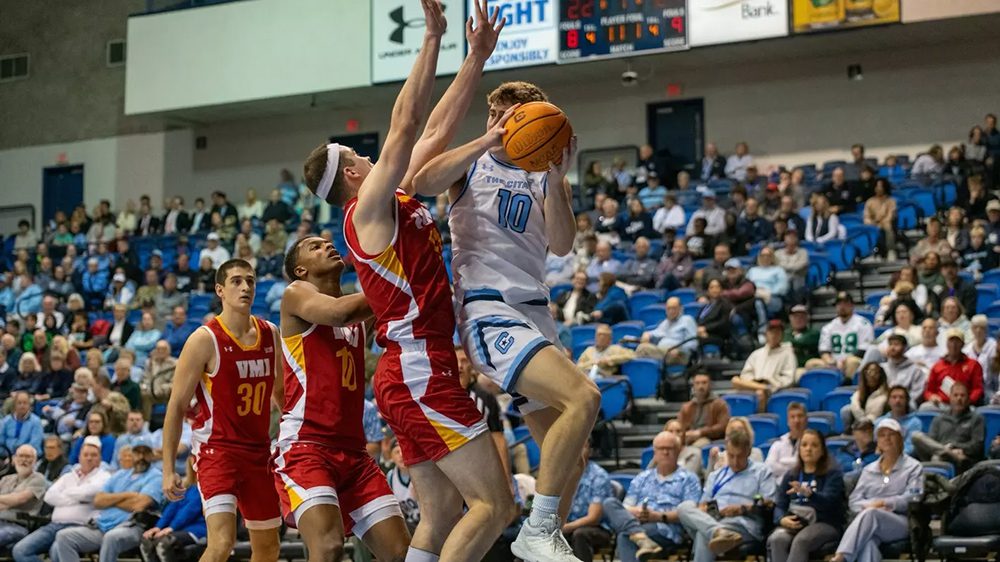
(615, 28)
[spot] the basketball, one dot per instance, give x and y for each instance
(536, 134)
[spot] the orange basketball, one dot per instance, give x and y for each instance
(536, 134)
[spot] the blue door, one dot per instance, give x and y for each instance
(62, 190)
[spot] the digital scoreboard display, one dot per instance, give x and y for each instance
(616, 28)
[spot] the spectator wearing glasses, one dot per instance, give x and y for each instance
(20, 493)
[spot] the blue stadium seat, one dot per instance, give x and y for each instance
(820, 382)
(522, 435)
(779, 401)
(992, 277)
(823, 422)
(874, 297)
(614, 397)
(656, 248)
(628, 328)
(924, 201)
(945, 469)
(835, 444)
(686, 295)
(819, 270)
(986, 293)
(706, 449)
(557, 290)
(580, 347)
(644, 376)
(584, 333)
(830, 165)
(701, 264)
(906, 216)
(765, 427)
(991, 415)
(946, 194)
(652, 315)
(741, 403)
(641, 300)
(835, 400)
(879, 330)
(926, 418)
(624, 479)
(766, 447)
(135, 316)
(646, 458)
(693, 309)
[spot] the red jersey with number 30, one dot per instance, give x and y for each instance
(234, 402)
(325, 387)
(407, 284)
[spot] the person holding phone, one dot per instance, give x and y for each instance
(810, 504)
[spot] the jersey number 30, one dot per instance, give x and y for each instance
(514, 210)
(253, 397)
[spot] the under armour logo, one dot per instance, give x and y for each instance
(268, 350)
(401, 24)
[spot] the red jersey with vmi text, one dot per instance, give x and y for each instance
(325, 387)
(407, 284)
(234, 402)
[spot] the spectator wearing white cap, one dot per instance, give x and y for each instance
(881, 500)
(20, 493)
(214, 251)
(954, 367)
(715, 216)
(72, 499)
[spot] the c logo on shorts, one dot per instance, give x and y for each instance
(504, 342)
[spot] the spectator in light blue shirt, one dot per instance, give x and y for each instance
(675, 339)
(771, 278)
(177, 330)
(126, 492)
(135, 434)
(373, 429)
(652, 195)
(647, 522)
(273, 297)
(603, 262)
(733, 491)
(899, 410)
(583, 525)
(22, 427)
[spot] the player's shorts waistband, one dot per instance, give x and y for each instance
(496, 296)
(421, 345)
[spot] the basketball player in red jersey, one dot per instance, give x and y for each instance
(397, 251)
(229, 366)
(327, 482)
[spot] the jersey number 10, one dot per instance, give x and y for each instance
(514, 210)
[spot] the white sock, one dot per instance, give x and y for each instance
(543, 507)
(417, 555)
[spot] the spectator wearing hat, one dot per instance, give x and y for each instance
(956, 436)
(126, 492)
(900, 370)
(674, 339)
(881, 500)
(770, 202)
(842, 338)
(954, 286)
(120, 291)
(954, 367)
(769, 368)
(783, 454)
(72, 499)
(823, 224)
(147, 294)
(20, 494)
(803, 337)
(715, 216)
(214, 251)
(603, 358)
(716, 269)
(993, 224)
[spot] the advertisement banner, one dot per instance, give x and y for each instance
(711, 22)
(529, 38)
(398, 32)
(820, 15)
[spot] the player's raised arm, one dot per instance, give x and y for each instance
(481, 32)
(190, 366)
(303, 299)
(560, 224)
(448, 169)
(373, 216)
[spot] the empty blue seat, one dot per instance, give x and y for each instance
(629, 328)
(946, 195)
(646, 458)
(835, 445)
(521, 434)
(986, 293)
(706, 449)
(991, 415)
(557, 291)
(906, 216)
(992, 277)
(641, 300)
(924, 201)
(614, 398)
(693, 309)
(652, 315)
(624, 479)
(823, 422)
(779, 401)
(741, 403)
(644, 376)
(686, 295)
(765, 427)
(926, 418)
(580, 347)
(820, 382)
(584, 333)
(835, 400)
(875, 297)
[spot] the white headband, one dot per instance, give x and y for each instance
(332, 161)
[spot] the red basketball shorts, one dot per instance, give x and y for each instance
(231, 478)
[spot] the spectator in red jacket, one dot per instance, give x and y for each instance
(954, 367)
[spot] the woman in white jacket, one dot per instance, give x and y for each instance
(823, 224)
(869, 401)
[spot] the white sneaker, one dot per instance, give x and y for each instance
(542, 544)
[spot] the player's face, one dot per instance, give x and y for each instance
(360, 167)
(319, 256)
(238, 291)
(496, 111)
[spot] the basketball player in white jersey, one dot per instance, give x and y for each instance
(503, 221)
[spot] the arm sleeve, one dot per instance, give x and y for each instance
(914, 489)
(830, 497)
(781, 498)
(974, 447)
(825, 345)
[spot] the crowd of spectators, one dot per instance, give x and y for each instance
(97, 306)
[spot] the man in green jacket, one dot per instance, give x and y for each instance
(804, 338)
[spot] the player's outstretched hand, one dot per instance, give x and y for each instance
(173, 489)
(482, 36)
(434, 17)
(559, 172)
(497, 126)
